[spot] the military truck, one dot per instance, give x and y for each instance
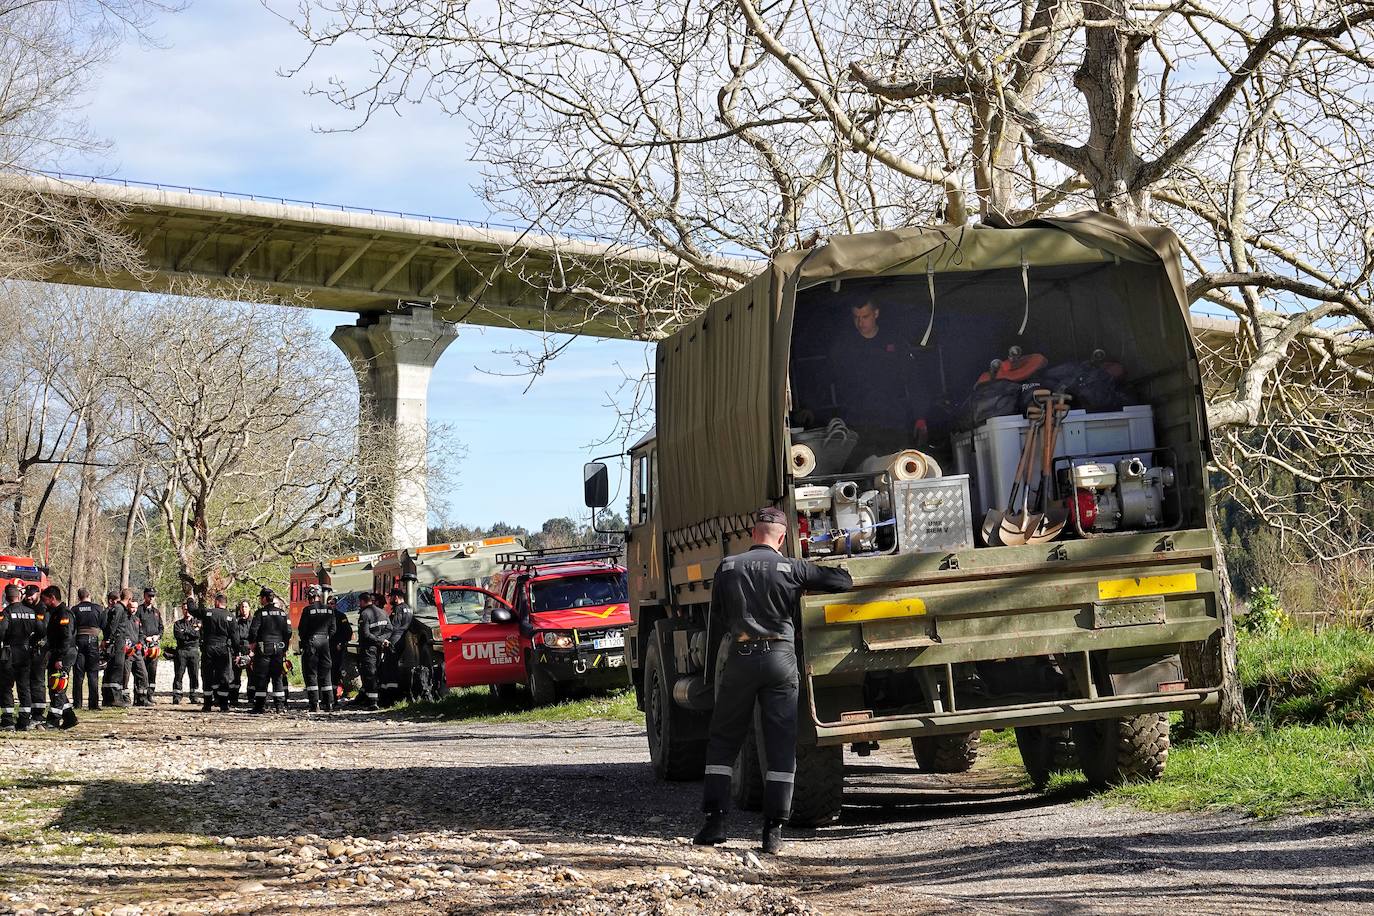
(1083, 644)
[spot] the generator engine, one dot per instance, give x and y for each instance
(1121, 496)
(836, 519)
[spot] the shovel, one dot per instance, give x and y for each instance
(992, 522)
(1055, 516)
(1016, 527)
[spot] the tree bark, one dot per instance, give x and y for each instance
(78, 571)
(1215, 660)
(126, 551)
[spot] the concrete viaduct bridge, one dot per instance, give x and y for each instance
(410, 279)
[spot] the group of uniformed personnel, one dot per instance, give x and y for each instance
(215, 648)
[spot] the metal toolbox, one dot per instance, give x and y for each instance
(932, 515)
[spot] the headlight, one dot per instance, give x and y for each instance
(555, 640)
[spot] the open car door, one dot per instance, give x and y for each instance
(480, 637)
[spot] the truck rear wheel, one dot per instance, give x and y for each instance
(674, 758)
(1115, 751)
(946, 753)
(818, 793)
(1045, 749)
(746, 778)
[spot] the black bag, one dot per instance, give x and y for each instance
(1092, 387)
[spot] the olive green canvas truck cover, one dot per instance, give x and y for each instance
(1114, 613)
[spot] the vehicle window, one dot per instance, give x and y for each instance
(653, 480)
(462, 607)
(577, 591)
(638, 495)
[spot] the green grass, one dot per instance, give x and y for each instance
(1265, 772)
(1311, 702)
(1301, 678)
(478, 704)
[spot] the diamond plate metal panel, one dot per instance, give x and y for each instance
(932, 515)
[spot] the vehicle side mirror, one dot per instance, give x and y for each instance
(596, 485)
(501, 615)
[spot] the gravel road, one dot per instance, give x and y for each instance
(172, 811)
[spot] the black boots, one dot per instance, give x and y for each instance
(313, 701)
(7, 720)
(712, 831)
(205, 707)
(327, 700)
(54, 719)
(772, 836)
(22, 723)
(259, 706)
(68, 718)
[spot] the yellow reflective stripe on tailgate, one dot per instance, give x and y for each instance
(874, 610)
(1108, 589)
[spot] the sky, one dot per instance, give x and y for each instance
(203, 104)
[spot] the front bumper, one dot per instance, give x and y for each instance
(594, 667)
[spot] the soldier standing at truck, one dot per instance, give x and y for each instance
(316, 629)
(758, 595)
(269, 634)
(395, 680)
(89, 620)
(61, 634)
(373, 628)
(186, 657)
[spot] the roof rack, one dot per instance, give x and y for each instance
(549, 556)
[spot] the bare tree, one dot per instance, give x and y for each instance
(50, 51)
(247, 439)
(727, 127)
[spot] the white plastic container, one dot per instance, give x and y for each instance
(989, 454)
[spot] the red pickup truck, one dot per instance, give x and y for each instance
(563, 628)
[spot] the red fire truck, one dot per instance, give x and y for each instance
(21, 570)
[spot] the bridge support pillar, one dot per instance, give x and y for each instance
(393, 355)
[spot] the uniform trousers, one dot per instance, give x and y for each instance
(763, 674)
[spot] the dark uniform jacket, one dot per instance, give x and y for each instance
(758, 593)
(186, 633)
(241, 626)
(343, 632)
(270, 631)
(89, 619)
(373, 627)
(316, 620)
(120, 625)
(401, 616)
(19, 630)
(220, 631)
(149, 620)
(40, 613)
(61, 631)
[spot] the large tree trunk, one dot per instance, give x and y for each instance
(126, 551)
(78, 572)
(1201, 666)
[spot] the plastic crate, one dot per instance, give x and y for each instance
(989, 453)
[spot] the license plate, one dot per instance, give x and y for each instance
(615, 661)
(610, 642)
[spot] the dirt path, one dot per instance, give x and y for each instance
(170, 811)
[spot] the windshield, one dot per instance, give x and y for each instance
(577, 591)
